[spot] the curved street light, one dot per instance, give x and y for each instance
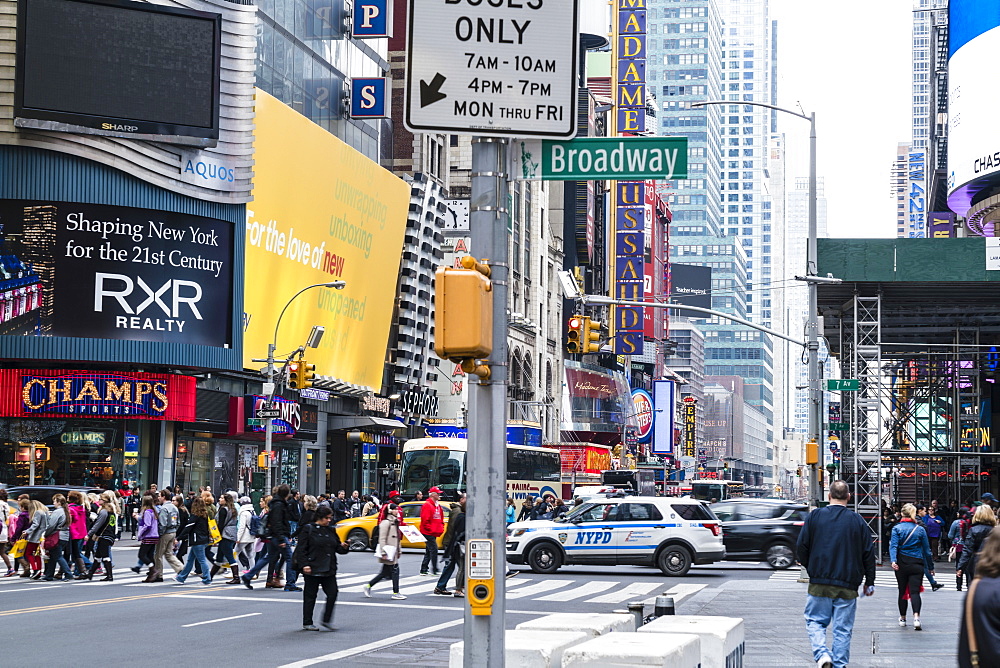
(812, 321)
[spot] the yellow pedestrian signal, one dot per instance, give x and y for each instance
(574, 334)
(812, 452)
(592, 331)
(307, 374)
(463, 312)
(262, 460)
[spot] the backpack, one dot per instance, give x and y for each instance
(258, 526)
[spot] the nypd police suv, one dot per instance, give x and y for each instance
(669, 533)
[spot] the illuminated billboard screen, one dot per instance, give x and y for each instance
(113, 67)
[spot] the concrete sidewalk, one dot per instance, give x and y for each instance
(776, 633)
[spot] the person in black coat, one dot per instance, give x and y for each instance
(982, 526)
(316, 558)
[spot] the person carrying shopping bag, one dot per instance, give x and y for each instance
(388, 552)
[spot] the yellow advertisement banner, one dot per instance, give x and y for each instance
(321, 212)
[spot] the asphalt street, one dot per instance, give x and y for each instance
(161, 624)
(198, 625)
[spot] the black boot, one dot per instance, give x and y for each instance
(958, 581)
(215, 569)
(108, 577)
(93, 568)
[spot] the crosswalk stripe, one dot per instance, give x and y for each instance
(678, 592)
(587, 589)
(408, 581)
(633, 590)
(539, 587)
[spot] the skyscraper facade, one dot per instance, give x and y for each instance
(724, 50)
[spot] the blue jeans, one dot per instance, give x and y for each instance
(446, 572)
(271, 557)
(820, 613)
(197, 553)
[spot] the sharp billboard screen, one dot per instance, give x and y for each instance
(119, 68)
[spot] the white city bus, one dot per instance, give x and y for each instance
(440, 462)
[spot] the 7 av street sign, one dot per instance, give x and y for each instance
(602, 159)
(492, 67)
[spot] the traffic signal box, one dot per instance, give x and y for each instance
(592, 332)
(307, 373)
(574, 334)
(812, 452)
(463, 314)
(294, 375)
(262, 460)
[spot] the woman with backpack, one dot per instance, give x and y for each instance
(316, 558)
(196, 533)
(983, 522)
(57, 533)
(228, 520)
(245, 538)
(103, 534)
(388, 552)
(526, 505)
(910, 552)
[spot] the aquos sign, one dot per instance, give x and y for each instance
(642, 408)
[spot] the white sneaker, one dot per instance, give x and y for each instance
(367, 590)
(916, 624)
(398, 597)
(902, 621)
(824, 662)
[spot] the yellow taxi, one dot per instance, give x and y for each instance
(361, 533)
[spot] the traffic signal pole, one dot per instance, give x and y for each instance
(487, 452)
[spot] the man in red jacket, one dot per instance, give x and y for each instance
(431, 526)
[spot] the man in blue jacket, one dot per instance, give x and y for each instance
(837, 549)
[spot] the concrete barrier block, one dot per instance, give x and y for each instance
(593, 624)
(636, 650)
(721, 637)
(529, 649)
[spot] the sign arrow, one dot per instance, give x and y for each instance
(431, 92)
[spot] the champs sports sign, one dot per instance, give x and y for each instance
(63, 393)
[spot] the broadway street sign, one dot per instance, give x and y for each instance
(601, 159)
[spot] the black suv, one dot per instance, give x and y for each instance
(755, 529)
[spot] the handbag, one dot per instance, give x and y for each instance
(51, 541)
(213, 533)
(970, 628)
(20, 546)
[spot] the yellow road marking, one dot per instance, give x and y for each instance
(120, 599)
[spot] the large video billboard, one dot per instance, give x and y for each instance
(973, 135)
(114, 67)
(321, 212)
(117, 272)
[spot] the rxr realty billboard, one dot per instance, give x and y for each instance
(115, 272)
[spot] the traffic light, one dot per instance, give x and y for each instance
(262, 460)
(574, 334)
(463, 311)
(591, 335)
(307, 374)
(294, 375)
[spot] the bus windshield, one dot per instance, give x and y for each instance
(423, 469)
(713, 491)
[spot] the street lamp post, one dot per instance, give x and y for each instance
(812, 321)
(270, 372)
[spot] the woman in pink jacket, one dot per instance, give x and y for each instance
(77, 533)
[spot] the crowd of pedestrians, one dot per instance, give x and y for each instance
(837, 550)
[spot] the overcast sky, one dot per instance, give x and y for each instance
(850, 63)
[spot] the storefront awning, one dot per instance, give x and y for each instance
(363, 422)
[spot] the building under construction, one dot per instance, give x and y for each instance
(917, 323)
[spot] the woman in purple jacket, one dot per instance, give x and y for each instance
(149, 536)
(23, 521)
